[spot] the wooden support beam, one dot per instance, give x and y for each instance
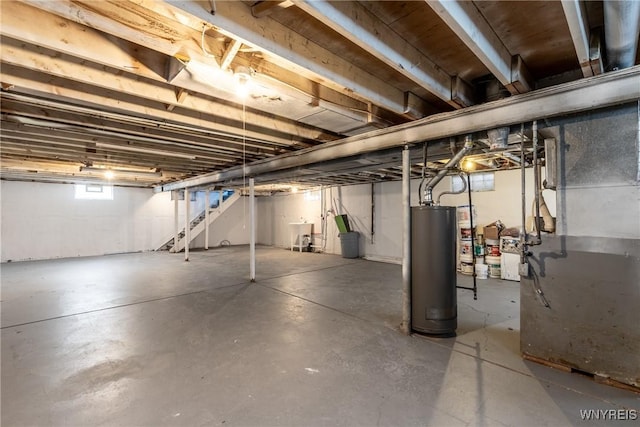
(40, 60)
(472, 28)
(356, 23)
(293, 51)
(576, 16)
(230, 53)
(267, 7)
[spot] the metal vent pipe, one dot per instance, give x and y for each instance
(621, 32)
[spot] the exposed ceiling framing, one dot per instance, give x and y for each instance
(149, 88)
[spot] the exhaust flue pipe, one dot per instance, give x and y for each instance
(621, 31)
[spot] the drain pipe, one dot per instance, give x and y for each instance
(523, 230)
(536, 185)
(428, 196)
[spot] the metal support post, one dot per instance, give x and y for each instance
(176, 223)
(187, 221)
(252, 231)
(406, 241)
(207, 208)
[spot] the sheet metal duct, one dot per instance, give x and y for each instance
(609, 89)
(621, 32)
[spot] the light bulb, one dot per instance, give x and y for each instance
(109, 174)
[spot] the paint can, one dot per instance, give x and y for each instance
(482, 271)
(466, 251)
(478, 249)
(466, 268)
(465, 233)
(493, 247)
(464, 215)
(493, 263)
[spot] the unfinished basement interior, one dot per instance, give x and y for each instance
(320, 213)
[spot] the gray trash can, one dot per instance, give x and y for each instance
(350, 244)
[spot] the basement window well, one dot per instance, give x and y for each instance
(482, 181)
(94, 192)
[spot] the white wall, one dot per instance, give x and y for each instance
(504, 203)
(276, 212)
(43, 221)
(233, 225)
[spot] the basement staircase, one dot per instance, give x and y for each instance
(197, 225)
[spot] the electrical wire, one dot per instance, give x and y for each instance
(204, 49)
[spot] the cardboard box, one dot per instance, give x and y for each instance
(491, 232)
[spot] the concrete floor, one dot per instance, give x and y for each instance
(148, 339)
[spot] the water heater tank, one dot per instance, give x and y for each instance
(434, 308)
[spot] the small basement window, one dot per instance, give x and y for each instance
(94, 192)
(481, 181)
(311, 195)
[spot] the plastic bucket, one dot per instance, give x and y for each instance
(466, 268)
(465, 233)
(493, 247)
(466, 250)
(482, 271)
(466, 258)
(493, 262)
(464, 216)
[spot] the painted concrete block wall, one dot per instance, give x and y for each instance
(386, 242)
(41, 221)
(44, 221)
(504, 203)
(275, 213)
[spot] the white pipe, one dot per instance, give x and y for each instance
(187, 221)
(406, 241)
(176, 224)
(207, 207)
(252, 231)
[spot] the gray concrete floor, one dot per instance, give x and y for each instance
(148, 339)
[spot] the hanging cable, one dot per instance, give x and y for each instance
(204, 49)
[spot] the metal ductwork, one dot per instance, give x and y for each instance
(621, 32)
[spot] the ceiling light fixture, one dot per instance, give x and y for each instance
(242, 77)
